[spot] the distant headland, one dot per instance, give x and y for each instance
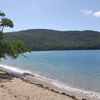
(46, 39)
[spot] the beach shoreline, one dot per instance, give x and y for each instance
(35, 79)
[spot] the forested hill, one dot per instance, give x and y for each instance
(44, 39)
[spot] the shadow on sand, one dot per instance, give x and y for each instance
(6, 77)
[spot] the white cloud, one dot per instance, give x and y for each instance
(90, 12)
(87, 11)
(96, 14)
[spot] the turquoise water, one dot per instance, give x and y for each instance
(79, 68)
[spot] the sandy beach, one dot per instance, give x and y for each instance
(13, 88)
(26, 87)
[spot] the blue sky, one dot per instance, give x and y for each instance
(53, 14)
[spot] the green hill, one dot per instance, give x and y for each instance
(45, 39)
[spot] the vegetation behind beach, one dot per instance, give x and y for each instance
(45, 39)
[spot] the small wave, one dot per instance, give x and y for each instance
(77, 90)
(14, 69)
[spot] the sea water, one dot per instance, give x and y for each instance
(79, 69)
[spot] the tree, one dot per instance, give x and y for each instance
(5, 22)
(2, 14)
(10, 48)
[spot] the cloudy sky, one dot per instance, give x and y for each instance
(53, 14)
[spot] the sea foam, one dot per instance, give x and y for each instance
(14, 69)
(69, 88)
